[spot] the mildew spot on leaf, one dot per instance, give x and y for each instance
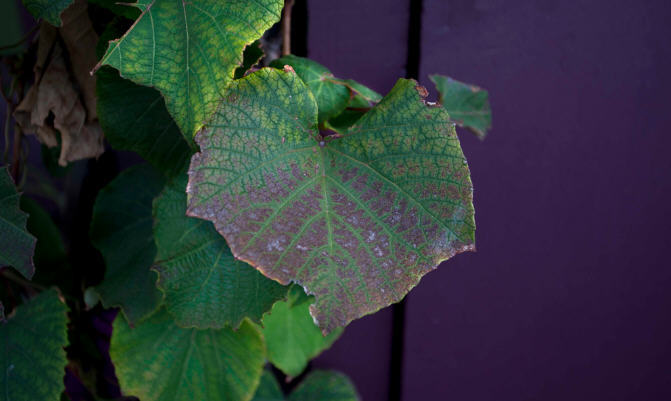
(358, 221)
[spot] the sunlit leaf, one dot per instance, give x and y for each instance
(32, 360)
(49, 10)
(319, 385)
(189, 50)
(17, 245)
(356, 220)
(204, 285)
(158, 360)
(121, 229)
(292, 338)
(467, 105)
(143, 125)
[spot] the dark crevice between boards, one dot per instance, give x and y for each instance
(299, 28)
(413, 54)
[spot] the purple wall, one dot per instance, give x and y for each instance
(569, 294)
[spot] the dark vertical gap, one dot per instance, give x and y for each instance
(398, 310)
(299, 28)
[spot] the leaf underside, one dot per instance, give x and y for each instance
(33, 360)
(189, 50)
(159, 361)
(357, 222)
(204, 285)
(17, 245)
(467, 105)
(292, 338)
(121, 229)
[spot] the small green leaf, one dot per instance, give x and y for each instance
(33, 360)
(49, 10)
(17, 245)
(319, 385)
(204, 285)
(189, 51)
(160, 361)
(331, 95)
(252, 55)
(143, 125)
(361, 100)
(292, 338)
(467, 105)
(121, 229)
(356, 220)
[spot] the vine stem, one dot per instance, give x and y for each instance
(286, 27)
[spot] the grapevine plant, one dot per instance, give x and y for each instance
(275, 202)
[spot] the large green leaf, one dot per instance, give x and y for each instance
(292, 338)
(122, 230)
(32, 360)
(189, 50)
(467, 105)
(331, 95)
(160, 361)
(252, 55)
(49, 10)
(319, 385)
(204, 285)
(356, 220)
(143, 125)
(17, 245)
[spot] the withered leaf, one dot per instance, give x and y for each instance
(356, 220)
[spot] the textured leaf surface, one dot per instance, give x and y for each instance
(49, 10)
(143, 125)
(32, 360)
(467, 105)
(189, 50)
(204, 285)
(122, 230)
(357, 222)
(17, 245)
(319, 385)
(331, 95)
(292, 338)
(161, 361)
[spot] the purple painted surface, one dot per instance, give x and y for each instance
(569, 294)
(366, 42)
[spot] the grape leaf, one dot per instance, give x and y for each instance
(121, 229)
(33, 360)
(204, 285)
(143, 125)
(319, 385)
(292, 338)
(356, 220)
(467, 105)
(331, 95)
(49, 10)
(189, 50)
(17, 245)
(252, 55)
(160, 361)
(361, 100)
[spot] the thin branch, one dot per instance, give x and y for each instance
(286, 27)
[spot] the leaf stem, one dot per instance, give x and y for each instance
(286, 27)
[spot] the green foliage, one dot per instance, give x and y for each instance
(252, 55)
(204, 285)
(159, 361)
(143, 125)
(32, 360)
(122, 230)
(292, 338)
(319, 385)
(468, 105)
(49, 10)
(357, 220)
(17, 245)
(190, 50)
